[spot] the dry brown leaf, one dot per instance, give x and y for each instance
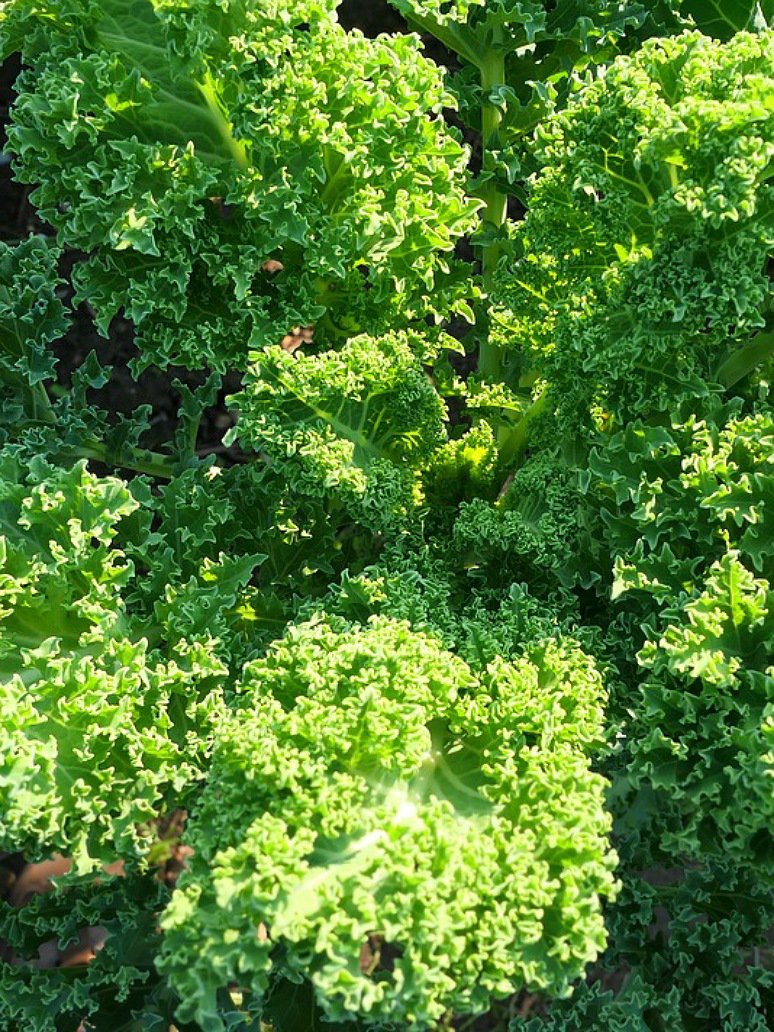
(299, 335)
(36, 878)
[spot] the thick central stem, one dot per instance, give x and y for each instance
(235, 147)
(140, 460)
(495, 212)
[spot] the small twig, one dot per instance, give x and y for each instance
(504, 489)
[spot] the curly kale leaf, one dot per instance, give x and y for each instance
(354, 426)
(99, 733)
(60, 576)
(366, 769)
(687, 511)
(703, 735)
(641, 264)
(234, 172)
(531, 533)
(674, 498)
(113, 916)
(229, 553)
(548, 33)
(31, 317)
(517, 57)
(688, 951)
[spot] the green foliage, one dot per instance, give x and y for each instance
(641, 263)
(224, 553)
(354, 425)
(366, 769)
(687, 507)
(116, 914)
(163, 140)
(531, 532)
(516, 56)
(690, 953)
(453, 660)
(95, 734)
(31, 317)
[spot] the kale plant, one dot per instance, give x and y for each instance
(441, 689)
